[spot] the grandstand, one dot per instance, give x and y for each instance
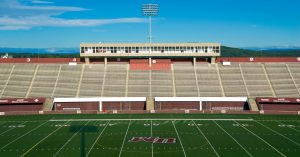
(117, 80)
(130, 71)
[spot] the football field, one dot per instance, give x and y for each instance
(150, 135)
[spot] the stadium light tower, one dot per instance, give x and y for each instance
(150, 10)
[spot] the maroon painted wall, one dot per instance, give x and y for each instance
(107, 106)
(27, 107)
(279, 107)
(258, 59)
(39, 60)
(205, 106)
(225, 106)
(89, 106)
(189, 105)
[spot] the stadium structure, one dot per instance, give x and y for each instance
(150, 100)
(150, 77)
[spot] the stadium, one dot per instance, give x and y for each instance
(150, 99)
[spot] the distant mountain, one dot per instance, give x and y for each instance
(270, 52)
(40, 50)
(273, 48)
(225, 52)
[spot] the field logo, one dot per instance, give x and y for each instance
(153, 140)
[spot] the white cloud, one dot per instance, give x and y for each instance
(17, 16)
(15, 28)
(34, 21)
(41, 2)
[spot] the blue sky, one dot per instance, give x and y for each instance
(67, 23)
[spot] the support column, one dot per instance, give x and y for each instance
(100, 106)
(150, 103)
(105, 62)
(200, 105)
(87, 60)
(150, 62)
(213, 60)
(194, 61)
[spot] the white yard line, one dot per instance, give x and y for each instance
(87, 154)
(22, 135)
(278, 120)
(179, 138)
(42, 140)
(206, 139)
(261, 139)
(278, 133)
(70, 139)
(57, 120)
(233, 139)
(124, 139)
(11, 129)
(152, 142)
(288, 127)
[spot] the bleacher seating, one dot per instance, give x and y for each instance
(208, 80)
(19, 81)
(161, 84)
(92, 80)
(117, 80)
(68, 81)
(185, 80)
(232, 80)
(256, 81)
(138, 83)
(294, 70)
(5, 70)
(45, 80)
(281, 80)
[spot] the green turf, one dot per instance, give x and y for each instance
(109, 135)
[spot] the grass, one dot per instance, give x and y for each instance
(110, 135)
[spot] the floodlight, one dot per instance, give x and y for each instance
(150, 10)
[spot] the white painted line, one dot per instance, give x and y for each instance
(10, 129)
(41, 140)
(22, 135)
(233, 139)
(179, 138)
(124, 139)
(261, 139)
(57, 120)
(87, 154)
(279, 133)
(70, 139)
(206, 139)
(289, 127)
(152, 142)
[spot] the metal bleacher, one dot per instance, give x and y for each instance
(232, 80)
(92, 80)
(281, 80)
(208, 80)
(185, 80)
(68, 81)
(5, 74)
(162, 84)
(256, 80)
(45, 79)
(138, 83)
(117, 80)
(19, 81)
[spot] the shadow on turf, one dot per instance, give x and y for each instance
(83, 130)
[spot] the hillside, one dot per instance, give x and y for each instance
(73, 52)
(236, 52)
